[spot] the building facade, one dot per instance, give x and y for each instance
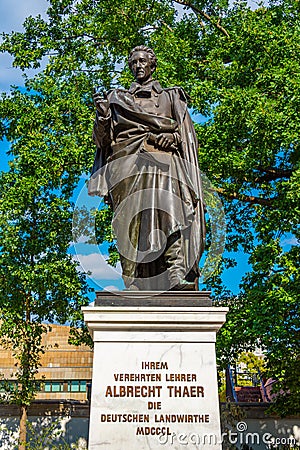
(65, 372)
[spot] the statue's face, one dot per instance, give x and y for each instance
(141, 66)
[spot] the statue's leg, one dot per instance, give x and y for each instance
(174, 259)
(175, 263)
(128, 272)
(143, 276)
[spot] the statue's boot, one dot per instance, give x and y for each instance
(175, 262)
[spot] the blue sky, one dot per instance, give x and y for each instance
(12, 16)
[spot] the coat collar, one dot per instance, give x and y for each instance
(151, 85)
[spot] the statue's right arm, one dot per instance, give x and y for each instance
(101, 132)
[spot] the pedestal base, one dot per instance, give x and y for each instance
(154, 375)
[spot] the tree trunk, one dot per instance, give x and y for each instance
(23, 427)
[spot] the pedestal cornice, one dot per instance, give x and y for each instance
(156, 316)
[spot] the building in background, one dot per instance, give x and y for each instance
(66, 370)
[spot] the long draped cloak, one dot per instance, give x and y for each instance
(154, 193)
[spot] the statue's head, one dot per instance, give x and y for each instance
(142, 62)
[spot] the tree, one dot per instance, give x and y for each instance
(254, 95)
(39, 281)
(241, 70)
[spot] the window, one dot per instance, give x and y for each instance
(53, 386)
(57, 386)
(64, 386)
(82, 386)
(74, 386)
(77, 386)
(6, 386)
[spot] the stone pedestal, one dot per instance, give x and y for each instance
(154, 374)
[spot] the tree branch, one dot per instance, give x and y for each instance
(246, 198)
(203, 14)
(273, 173)
(166, 25)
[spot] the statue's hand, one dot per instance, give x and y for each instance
(165, 140)
(102, 105)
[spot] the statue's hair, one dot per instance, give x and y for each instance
(143, 48)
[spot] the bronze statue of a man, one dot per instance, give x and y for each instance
(146, 163)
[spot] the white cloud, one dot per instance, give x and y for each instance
(96, 264)
(290, 241)
(12, 16)
(9, 75)
(14, 12)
